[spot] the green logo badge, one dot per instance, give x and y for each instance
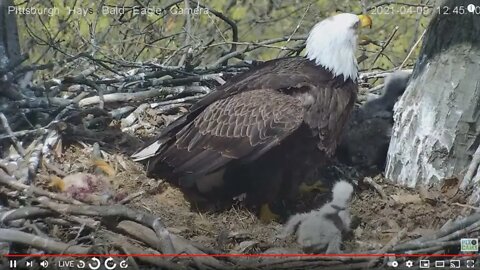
(469, 244)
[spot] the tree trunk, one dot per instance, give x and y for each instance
(437, 124)
(9, 43)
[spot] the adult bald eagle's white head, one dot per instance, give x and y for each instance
(332, 43)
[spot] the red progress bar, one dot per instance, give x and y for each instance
(241, 255)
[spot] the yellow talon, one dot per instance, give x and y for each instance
(266, 215)
(317, 186)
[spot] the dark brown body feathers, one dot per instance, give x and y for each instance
(265, 127)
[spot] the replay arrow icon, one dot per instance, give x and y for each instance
(94, 267)
(107, 264)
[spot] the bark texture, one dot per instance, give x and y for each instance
(9, 42)
(437, 119)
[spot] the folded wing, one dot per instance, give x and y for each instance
(242, 126)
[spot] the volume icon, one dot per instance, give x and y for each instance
(44, 263)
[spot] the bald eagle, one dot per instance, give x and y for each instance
(322, 228)
(367, 136)
(261, 131)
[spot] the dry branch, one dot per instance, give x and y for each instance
(376, 186)
(251, 47)
(12, 136)
(181, 245)
(21, 133)
(473, 169)
(140, 96)
(393, 242)
(384, 46)
(14, 236)
(129, 248)
(119, 212)
(412, 49)
(27, 212)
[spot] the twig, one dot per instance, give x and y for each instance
(138, 96)
(121, 241)
(297, 27)
(49, 65)
(14, 236)
(182, 245)
(188, 30)
(418, 18)
(186, 80)
(445, 231)
(472, 169)
(461, 232)
(27, 212)
(394, 241)
(231, 23)
(116, 211)
(131, 197)
(175, 101)
(21, 133)
(378, 74)
(133, 116)
(33, 162)
(307, 263)
(384, 46)
(254, 46)
(434, 248)
(377, 187)
(363, 4)
(467, 206)
(51, 167)
(412, 49)
(119, 112)
(9, 131)
(127, 122)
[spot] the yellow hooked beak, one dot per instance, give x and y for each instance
(365, 20)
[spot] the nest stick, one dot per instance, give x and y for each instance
(14, 236)
(116, 211)
(16, 142)
(377, 187)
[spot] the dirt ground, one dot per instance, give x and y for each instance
(376, 219)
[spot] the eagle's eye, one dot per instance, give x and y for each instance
(356, 25)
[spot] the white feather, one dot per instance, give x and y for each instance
(341, 193)
(332, 43)
(315, 230)
(147, 152)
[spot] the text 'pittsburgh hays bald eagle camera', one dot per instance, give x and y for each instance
(260, 132)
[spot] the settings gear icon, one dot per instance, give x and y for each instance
(409, 264)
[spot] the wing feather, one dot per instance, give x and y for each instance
(245, 124)
(252, 113)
